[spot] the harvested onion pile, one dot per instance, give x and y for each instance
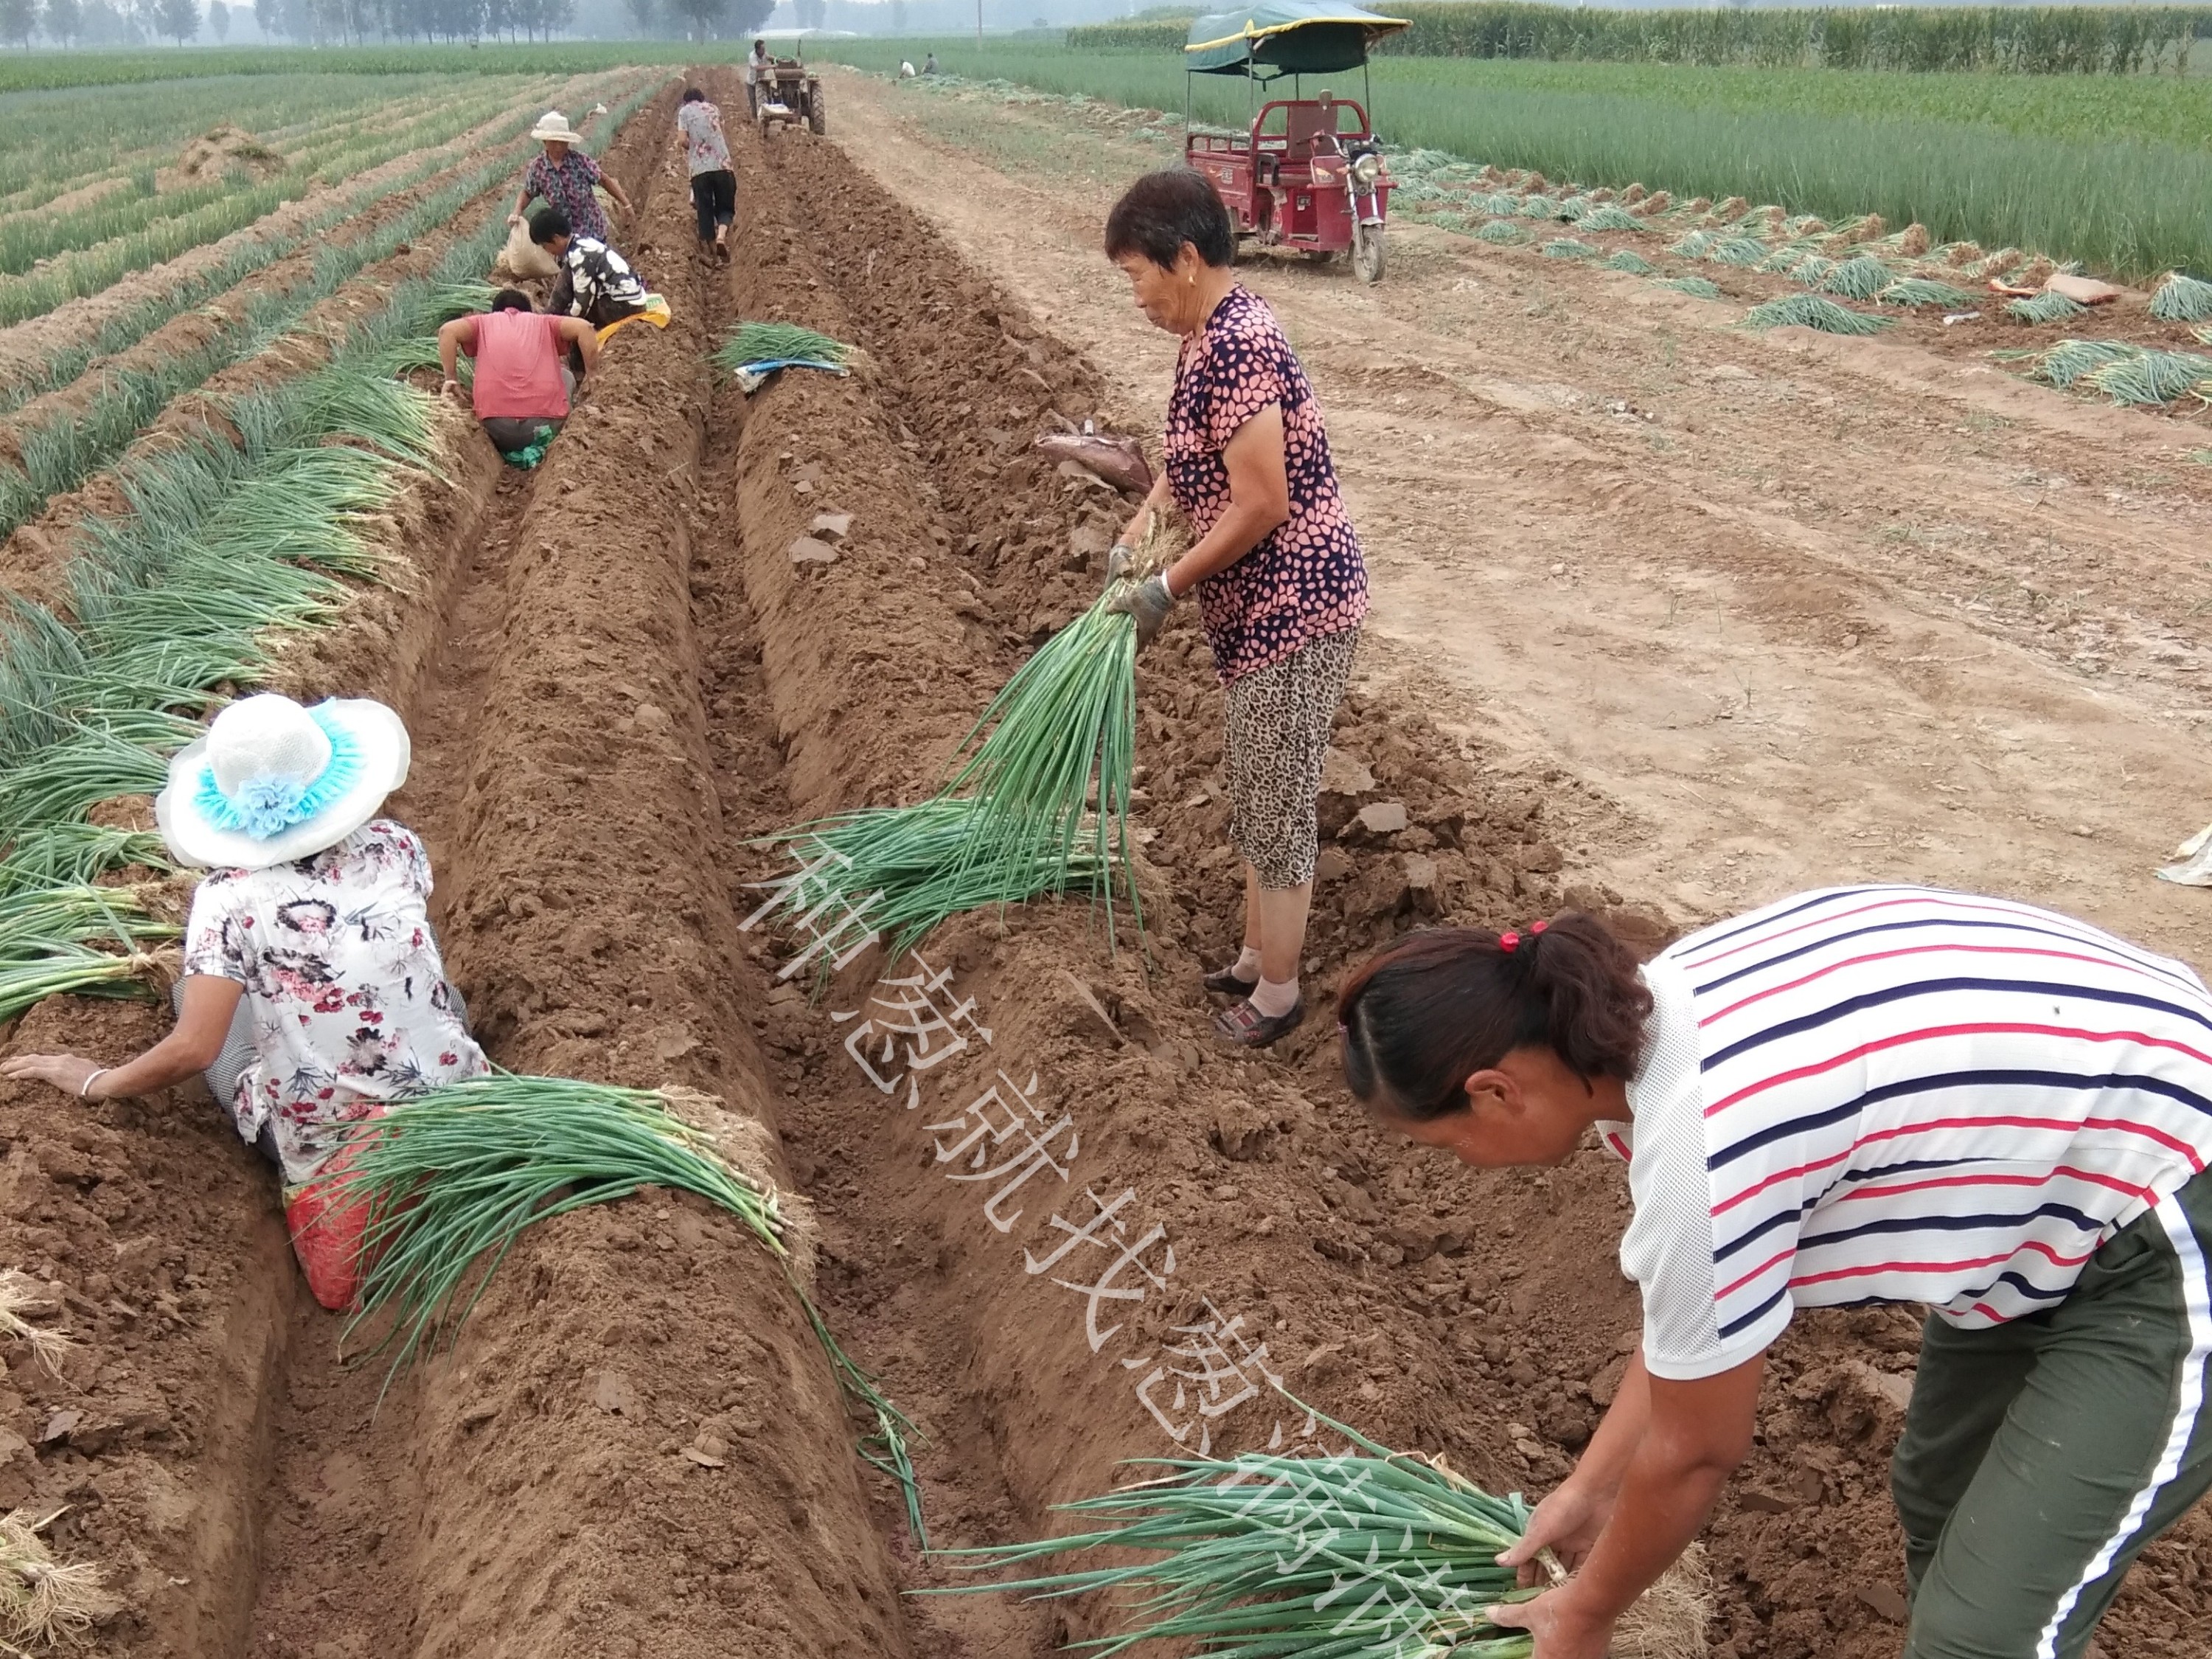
(1036, 802)
(1372, 1555)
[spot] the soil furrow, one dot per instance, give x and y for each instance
(1481, 1314)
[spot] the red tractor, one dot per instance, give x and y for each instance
(1307, 174)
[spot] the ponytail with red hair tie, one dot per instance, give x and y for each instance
(1507, 941)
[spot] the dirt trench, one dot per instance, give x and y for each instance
(531, 1493)
(1479, 1314)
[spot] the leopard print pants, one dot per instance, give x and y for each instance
(1278, 733)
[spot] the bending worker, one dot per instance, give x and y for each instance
(563, 175)
(1281, 586)
(313, 992)
(522, 388)
(595, 282)
(1868, 1094)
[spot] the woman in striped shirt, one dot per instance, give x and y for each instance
(1870, 1094)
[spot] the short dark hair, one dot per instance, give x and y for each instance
(547, 223)
(693, 95)
(1426, 1013)
(1162, 211)
(511, 299)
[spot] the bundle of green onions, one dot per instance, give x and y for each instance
(1859, 278)
(1923, 291)
(778, 343)
(2046, 307)
(1036, 801)
(454, 1177)
(1372, 1554)
(2154, 377)
(2181, 299)
(1811, 311)
(1698, 288)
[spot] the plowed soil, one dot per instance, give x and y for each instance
(619, 678)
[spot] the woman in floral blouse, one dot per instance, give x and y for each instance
(565, 176)
(313, 992)
(1282, 588)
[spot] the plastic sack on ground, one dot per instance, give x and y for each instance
(2195, 868)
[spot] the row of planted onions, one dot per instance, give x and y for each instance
(254, 528)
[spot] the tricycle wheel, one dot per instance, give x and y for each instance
(816, 123)
(1367, 252)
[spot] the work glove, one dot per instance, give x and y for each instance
(1149, 602)
(1118, 563)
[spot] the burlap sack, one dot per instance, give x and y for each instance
(523, 257)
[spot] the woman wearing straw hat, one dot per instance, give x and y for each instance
(1861, 1094)
(313, 991)
(565, 176)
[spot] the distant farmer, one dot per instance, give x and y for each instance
(756, 67)
(714, 186)
(1861, 1094)
(929, 64)
(1281, 585)
(596, 282)
(522, 387)
(313, 994)
(565, 176)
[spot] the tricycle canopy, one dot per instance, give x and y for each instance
(1284, 37)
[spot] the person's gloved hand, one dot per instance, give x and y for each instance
(1149, 601)
(1118, 563)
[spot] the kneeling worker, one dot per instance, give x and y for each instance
(522, 387)
(313, 995)
(596, 282)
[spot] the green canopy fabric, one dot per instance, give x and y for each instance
(1290, 37)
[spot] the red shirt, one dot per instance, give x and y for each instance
(518, 356)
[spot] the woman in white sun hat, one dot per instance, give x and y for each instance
(313, 992)
(565, 176)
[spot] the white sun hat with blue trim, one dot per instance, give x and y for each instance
(273, 781)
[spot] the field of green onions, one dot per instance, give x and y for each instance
(222, 547)
(2111, 171)
(59, 451)
(48, 257)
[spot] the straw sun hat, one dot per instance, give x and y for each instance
(553, 128)
(272, 782)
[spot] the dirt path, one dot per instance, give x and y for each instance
(1800, 609)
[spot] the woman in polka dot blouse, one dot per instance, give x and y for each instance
(1281, 586)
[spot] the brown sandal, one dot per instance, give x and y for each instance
(1248, 1028)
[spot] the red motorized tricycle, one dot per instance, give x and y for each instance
(1307, 174)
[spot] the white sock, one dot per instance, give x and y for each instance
(1247, 965)
(1274, 1000)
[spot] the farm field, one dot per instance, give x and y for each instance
(1671, 617)
(2109, 170)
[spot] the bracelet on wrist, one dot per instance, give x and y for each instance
(84, 1089)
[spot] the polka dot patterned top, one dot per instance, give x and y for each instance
(1306, 579)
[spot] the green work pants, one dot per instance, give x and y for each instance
(2040, 1457)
